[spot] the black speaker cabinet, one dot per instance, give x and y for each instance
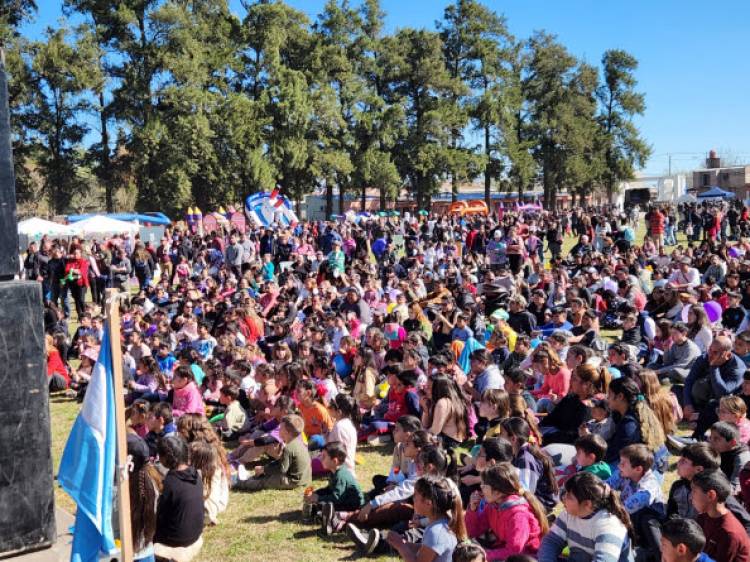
(27, 509)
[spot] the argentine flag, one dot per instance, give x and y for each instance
(87, 467)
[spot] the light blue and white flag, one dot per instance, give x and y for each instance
(87, 467)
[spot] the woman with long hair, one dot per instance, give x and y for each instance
(635, 422)
(561, 425)
(448, 414)
(700, 327)
(144, 482)
(365, 376)
(555, 379)
(535, 469)
(661, 400)
(209, 457)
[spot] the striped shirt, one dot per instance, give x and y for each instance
(601, 537)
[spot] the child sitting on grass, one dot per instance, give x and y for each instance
(682, 540)
(234, 415)
(344, 412)
(590, 451)
(179, 510)
(265, 438)
(726, 539)
(160, 424)
(535, 469)
(594, 524)
(436, 500)
(342, 492)
(638, 486)
(318, 421)
(515, 384)
(292, 470)
(494, 407)
(601, 422)
(640, 493)
(514, 515)
(492, 451)
(402, 467)
(734, 455)
(732, 409)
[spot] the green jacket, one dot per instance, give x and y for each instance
(343, 491)
(600, 469)
(294, 468)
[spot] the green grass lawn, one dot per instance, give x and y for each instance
(258, 526)
(264, 526)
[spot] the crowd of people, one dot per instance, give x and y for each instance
(529, 371)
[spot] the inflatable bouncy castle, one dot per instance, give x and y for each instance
(267, 209)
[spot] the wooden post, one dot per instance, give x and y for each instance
(123, 489)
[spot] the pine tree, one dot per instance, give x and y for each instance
(624, 148)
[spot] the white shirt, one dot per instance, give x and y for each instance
(692, 278)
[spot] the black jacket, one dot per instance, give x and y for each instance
(179, 511)
(566, 418)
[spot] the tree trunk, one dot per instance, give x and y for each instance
(382, 198)
(364, 199)
(487, 169)
(341, 199)
(104, 160)
(329, 200)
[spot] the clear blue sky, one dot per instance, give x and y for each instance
(694, 59)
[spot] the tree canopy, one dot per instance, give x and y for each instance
(162, 104)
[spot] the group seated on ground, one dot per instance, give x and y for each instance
(517, 429)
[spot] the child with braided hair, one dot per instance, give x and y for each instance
(514, 515)
(145, 484)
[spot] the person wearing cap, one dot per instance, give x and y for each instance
(559, 322)
(676, 362)
(734, 314)
(353, 303)
(496, 250)
(685, 277)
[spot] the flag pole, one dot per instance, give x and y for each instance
(123, 489)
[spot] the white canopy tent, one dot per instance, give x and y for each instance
(687, 198)
(103, 226)
(36, 227)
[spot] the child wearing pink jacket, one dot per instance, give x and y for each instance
(513, 514)
(187, 398)
(556, 382)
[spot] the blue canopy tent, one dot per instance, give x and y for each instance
(715, 193)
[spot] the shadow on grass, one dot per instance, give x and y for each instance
(284, 517)
(307, 533)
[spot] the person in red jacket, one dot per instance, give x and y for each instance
(57, 374)
(77, 278)
(656, 223)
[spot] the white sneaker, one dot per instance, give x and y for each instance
(242, 473)
(379, 439)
